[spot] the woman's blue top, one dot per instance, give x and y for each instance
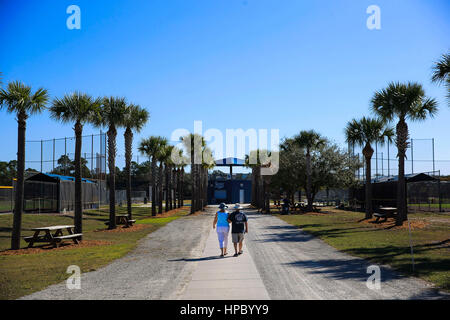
(222, 219)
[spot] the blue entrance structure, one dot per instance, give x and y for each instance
(229, 190)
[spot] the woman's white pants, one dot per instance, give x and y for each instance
(222, 233)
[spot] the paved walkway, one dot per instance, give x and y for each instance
(228, 278)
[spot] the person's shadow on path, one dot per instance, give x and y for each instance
(201, 259)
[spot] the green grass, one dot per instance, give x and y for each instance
(431, 205)
(23, 274)
(157, 221)
(342, 230)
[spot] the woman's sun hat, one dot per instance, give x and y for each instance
(222, 206)
(237, 206)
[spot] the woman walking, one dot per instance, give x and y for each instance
(223, 228)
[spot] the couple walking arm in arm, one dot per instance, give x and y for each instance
(239, 226)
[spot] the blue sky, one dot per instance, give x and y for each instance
(290, 65)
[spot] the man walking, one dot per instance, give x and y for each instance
(239, 225)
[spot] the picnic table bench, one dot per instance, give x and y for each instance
(54, 238)
(123, 219)
(384, 212)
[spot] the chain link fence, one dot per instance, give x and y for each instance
(6, 199)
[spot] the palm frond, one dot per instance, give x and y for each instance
(441, 70)
(76, 107)
(18, 98)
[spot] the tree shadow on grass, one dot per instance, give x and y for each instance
(386, 253)
(289, 234)
(337, 232)
(343, 269)
(5, 229)
(296, 233)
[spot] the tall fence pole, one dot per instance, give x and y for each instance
(376, 160)
(432, 144)
(42, 153)
(65, 155)
(411, 246)
(53, 154)
(359, 170)
(92, 155)
(389, 166)
(382, 164)
(105, 154)
(412, 156)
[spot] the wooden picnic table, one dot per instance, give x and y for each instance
(123, 219)
(385, 212)
(54, 238)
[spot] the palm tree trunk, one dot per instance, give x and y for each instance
(175, 187)
(261, 189)
(258, 188)
(161, 185)
(153, 186)
(266, 195)
(202, 182)
(182, 188)
(128, 154)
(308, 180)
(197, 187)
(179, 187)
(205, 187)
(167, 187)
(253, 202)
(368, 152)
(20, 183)
(193, 175)
(200, 187)
(78, 214)
(112, 133)
(402, 144)
(170, 188)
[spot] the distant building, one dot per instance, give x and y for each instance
(229, 190)
(56, 193)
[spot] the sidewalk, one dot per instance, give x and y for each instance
(228, 278)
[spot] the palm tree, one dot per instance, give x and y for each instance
(310, 141)
(134, 120)
(207, 163)
(256, 160)
(403, 101)
(78, 108)
(151, 148)
(161, 157)
(180, 162)
(194, 144)
(177, 160)
(365, 132)
(441, 72)
(181, 203)
(252, 161)
(112, 113)
(166, 161)
(17, 98)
